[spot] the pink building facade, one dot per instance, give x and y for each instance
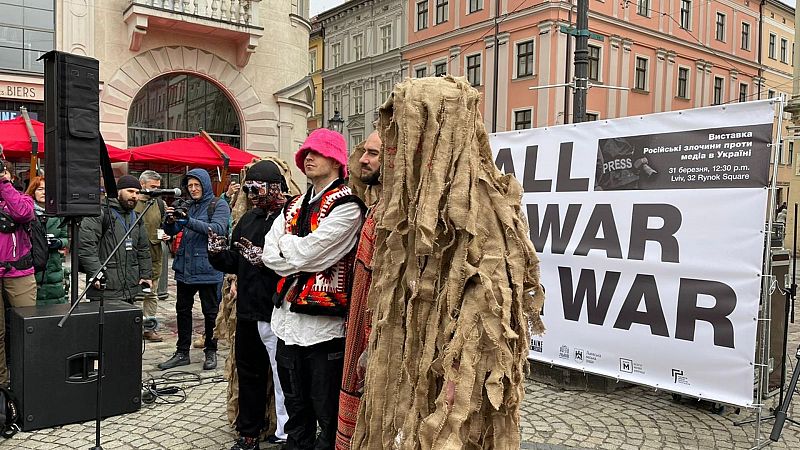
(670, 54)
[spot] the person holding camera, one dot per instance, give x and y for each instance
(50, 282)
(17, 283)
(193, 271)
(130, 269)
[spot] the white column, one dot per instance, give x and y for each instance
(669, 91)
(626, 70)
(658, 89)
(613, 75)
(503, 78)
(455, 61)
(700, 81)
(487, 64)
(710, 84)
(733, 93)
(561, 70)
(543, 72)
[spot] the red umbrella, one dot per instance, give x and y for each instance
(194, 151)
(17, 143)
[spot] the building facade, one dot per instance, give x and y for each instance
(316, 51)
(235, 68)
(668, 54)
(362, 61)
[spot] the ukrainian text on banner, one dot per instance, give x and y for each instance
(650, 235)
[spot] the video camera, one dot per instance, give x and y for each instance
(181, 207)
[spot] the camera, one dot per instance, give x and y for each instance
(181, 207)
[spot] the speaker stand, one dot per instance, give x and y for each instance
(75, 299)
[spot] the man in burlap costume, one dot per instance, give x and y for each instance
(365, 174)
(455, 281)
(255, 342)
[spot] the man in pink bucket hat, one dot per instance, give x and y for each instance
(312, 247)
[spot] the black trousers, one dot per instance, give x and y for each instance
(311, 377)
(252, 365)
(183, 306)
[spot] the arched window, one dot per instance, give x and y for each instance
(179, 105)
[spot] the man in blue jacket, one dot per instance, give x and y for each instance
(193, 272)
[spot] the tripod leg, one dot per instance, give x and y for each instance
(780, 414)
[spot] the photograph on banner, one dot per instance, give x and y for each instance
(650, 231)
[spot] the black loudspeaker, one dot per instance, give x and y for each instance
(54, 370)
(72, 135)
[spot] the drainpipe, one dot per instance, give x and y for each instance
(760, 43)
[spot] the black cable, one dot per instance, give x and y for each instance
(171, 387)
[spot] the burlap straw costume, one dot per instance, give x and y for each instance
(226, 318)
(455, 282)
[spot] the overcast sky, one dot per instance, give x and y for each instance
(318, 6)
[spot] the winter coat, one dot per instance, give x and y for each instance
(51, 282)
(17, 245)
(152, 222)
(191, 263)
(255, 285)
(127, 267)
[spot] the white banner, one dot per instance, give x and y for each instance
(650, 235)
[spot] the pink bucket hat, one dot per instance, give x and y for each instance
(327, 143)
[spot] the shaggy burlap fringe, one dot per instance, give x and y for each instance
(455, 282)
(225, 328)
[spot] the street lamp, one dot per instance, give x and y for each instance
(336, 122)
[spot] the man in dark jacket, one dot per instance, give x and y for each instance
(255, 342)
(131, 267)
(193, 271)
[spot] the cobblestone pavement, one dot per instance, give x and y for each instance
(552, 419)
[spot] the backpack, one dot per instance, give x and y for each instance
(40, 251)
(9, 413)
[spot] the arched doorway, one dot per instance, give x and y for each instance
(178, 105)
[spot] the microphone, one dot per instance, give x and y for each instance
(160, 192)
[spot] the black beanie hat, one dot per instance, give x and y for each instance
(128, 182)
(265, 171)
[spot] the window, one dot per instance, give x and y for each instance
(336, 102)
(522, 119)
(441, 11)
(386, 38)
(686, 14)
(385, 89)
(718, 82)
(770, 94)
(643, 8)
(771, 52)
(356, 139)
(742, 92)
(475, 5)
(640, 82)
(421, 72)
(683, 82)
(525, 59)
(312, 61)
(474, 69)
(358, 47)
(358, 100)
(592, 117)
(791, 153)
(745, 36)
(336, 54)
(176, 106)
(720, 34)
(440, 69)
(26, 33)
(594, 63)
(422, 15)
(784, 44)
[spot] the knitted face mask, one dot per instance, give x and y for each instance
(265, 195)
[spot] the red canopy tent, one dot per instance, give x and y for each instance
(195, 152)
(17, 143)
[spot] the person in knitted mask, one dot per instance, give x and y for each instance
(255, 345)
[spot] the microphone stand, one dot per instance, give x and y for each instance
(101, 308)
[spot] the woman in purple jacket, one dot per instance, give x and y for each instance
(17, 283)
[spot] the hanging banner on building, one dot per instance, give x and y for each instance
(650, 231)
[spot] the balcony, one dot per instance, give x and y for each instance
(232, 20)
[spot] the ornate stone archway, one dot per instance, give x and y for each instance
(259, 122)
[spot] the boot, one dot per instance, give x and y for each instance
(246, 443)
(178, 359)
(152, 336)
(211, 360)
